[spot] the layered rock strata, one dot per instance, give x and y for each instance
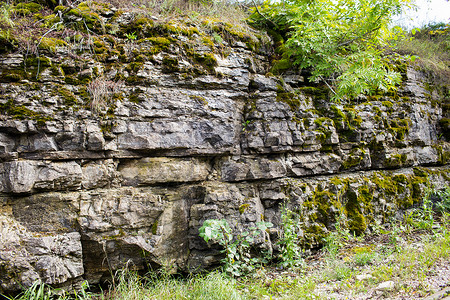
(87, 188)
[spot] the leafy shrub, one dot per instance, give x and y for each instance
(290, 251)
(238, 260)
(341, 42)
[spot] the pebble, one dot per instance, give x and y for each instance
(385, 286)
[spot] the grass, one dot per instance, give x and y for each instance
(411, 256)
(409, 261)
(432, 46)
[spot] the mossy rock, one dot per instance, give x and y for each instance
(170, 64)
(320, 92)
(27, 8)
(51, 44)
(68, 97)
(140, 28)
(278, 66)
(357, 223)
(289, 98)
(21, 112)
(206, 60)
(88, 12)
(7, 40)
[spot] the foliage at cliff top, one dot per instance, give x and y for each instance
(26, 26)
(431, 44)
(344, 43)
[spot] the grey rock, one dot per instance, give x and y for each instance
(162, 170)
(95, 141)
(56, 258)
(252, 168)
(68, 141)
(98, 174)
(37, 142)
(7, 143)
(313, 164)
(385, 286)
(263, 83)
(59, 176)
(19, 176)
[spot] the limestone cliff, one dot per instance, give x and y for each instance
(114, 151)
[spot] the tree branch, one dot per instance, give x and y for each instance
(262, 15)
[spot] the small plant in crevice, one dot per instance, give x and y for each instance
(290, 251)
(131, 36)
(238, 260)
(434, 202)
(395, 239)
(101, 91)
(337, 239)
(443, 206)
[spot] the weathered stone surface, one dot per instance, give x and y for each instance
(36, 143)
(84, 192)
(7, 143)
(252, 168)
(201, 137)
(161, 170)
(18, 176)
(27, 255)
(59, 176)
(313, 164)
(99, 174)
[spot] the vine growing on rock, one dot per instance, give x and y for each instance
(343, 43)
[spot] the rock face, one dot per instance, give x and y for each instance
(184, 139)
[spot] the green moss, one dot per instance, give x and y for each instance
(356, 220)
(388, 104)
(51, 44)
(319, 92)
(13, 75)
(443, 154)
(420, 172)
(323, 126)
(399, 128)
(290, 99)
(207, 60)
(395, 161)
(155, 227)
(190, 31)
(134, 67)
(281, 65)
(134, 95)
(323, 200)
(21, 112)
(315, 235)
(199, 99)
(208, 41)
(243, 208)
(84, 95)
(346, 122)
(68, 96)
(170, 64)
(89, 17)
(159, 43)
(27, 8)
(355, 157)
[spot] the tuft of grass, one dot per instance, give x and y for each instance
(215, 285)
(431, 44)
